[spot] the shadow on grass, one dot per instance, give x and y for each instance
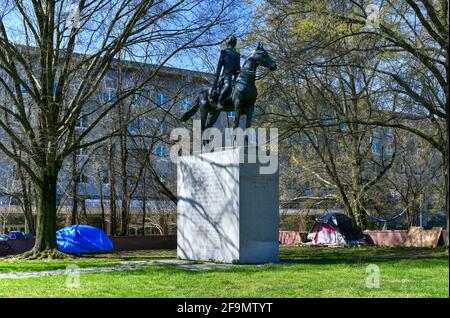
(288, 256)
(313, 255)
(8, 264)
(325, 256)
(139, 255)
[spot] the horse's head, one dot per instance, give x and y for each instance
(263, 58)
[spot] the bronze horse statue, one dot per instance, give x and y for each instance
(243, 94)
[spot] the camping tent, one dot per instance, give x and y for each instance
(335, 229)
(78, 239)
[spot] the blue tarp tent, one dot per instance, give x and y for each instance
(77, 239)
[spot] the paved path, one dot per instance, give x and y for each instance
(126, 266)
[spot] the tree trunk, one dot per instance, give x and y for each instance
(360, 216)
(102, 206)
(83, 209)
(356, 163)
(124, 187)
(46, 215)
(112, 190)
(27, 204)
(123, 121)
(446, 187)
(144, 208)
(74, 218)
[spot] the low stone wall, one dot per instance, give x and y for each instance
(291, 237)
(4, 249)
(121, 243)
(445, 237)
(17, 246)
(148, 242)
(388, 238)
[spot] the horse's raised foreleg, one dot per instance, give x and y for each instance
(213, 115)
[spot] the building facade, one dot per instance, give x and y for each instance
(128, 174)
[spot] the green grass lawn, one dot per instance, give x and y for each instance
(303, 272)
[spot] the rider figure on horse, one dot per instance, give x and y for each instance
(230, 62)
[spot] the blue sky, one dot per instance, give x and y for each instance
(203, 59)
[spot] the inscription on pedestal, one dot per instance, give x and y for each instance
(221, 206)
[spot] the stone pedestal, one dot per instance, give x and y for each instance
(227, 210)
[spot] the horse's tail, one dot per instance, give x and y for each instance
(191, 112)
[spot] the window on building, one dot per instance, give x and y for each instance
(377, 134)
(185, 104)
(388, 150)
(139, 122)
(389, 132)
(165, 125)
(162, 151)
(104, 175)
(162, 101)
(343, 126)
(376, 146)
(377, 142)
(111, 79)
(135, 125)
(23, 89)
(328, 119)
(140, 97)
(81, 122)
(82, 178)
(127, 78)
(108, 95)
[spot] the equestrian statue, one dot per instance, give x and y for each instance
(235, 90)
